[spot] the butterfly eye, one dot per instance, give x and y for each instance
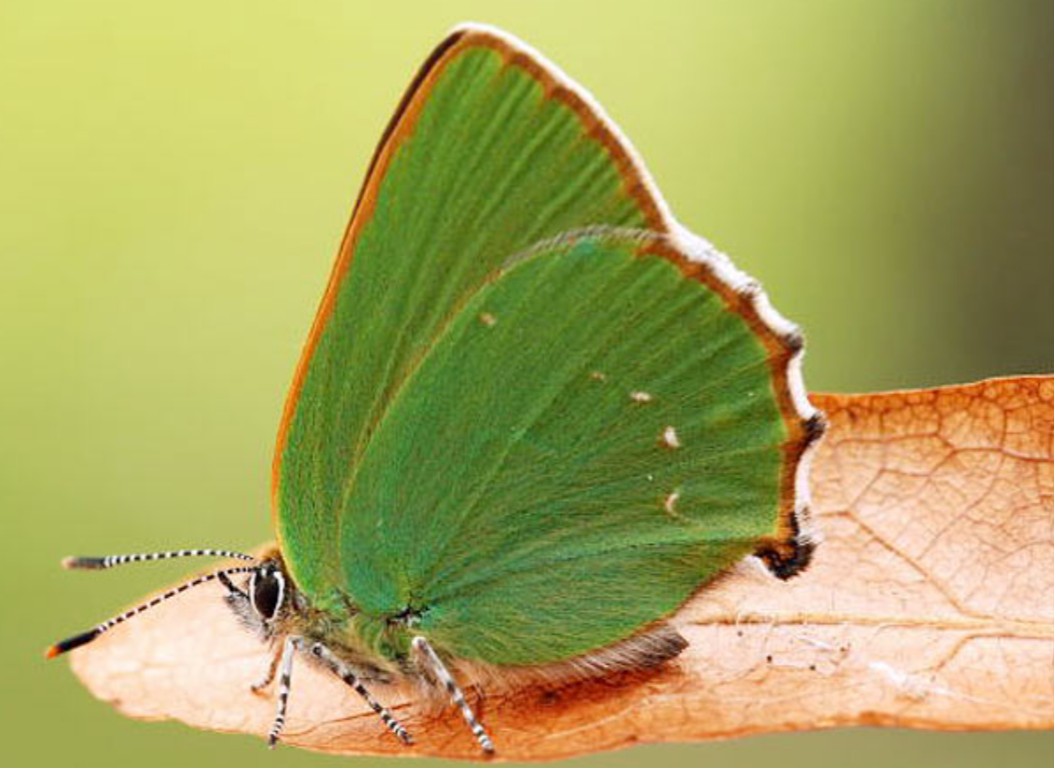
(266, 590)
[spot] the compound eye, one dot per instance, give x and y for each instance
(266, 592)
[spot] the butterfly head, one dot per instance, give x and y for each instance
(261, 604)
(268, 600)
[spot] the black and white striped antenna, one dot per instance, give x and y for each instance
(110, 561)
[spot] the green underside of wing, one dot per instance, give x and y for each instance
(491, 167)
(520, 496)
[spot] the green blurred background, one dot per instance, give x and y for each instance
(175, 178)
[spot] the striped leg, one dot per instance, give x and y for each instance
(442, 674)
(268, 676)
(292, 643)
(232, 590)
(345, 673)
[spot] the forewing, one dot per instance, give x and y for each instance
(490, 151)
(600, 430)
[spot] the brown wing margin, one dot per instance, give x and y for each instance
(789, 549)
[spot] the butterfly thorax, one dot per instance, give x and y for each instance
(376, 644)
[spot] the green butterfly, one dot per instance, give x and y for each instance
(534, 414)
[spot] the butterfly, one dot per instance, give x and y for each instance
(533, 416)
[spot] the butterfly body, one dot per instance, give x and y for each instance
(534, 414)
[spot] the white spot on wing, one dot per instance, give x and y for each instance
(670, 438)
(671, 499)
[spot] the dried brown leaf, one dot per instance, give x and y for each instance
(930, 605)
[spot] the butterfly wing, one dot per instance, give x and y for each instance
(600, 430)
(490, 150)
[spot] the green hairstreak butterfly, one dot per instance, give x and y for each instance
(534, 413)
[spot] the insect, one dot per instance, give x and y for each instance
(533, 416)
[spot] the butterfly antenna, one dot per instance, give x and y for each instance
(110, 561)
(86, 637)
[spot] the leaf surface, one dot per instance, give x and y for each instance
(930, 604)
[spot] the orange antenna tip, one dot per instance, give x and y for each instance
(72, 642)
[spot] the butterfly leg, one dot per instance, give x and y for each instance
(239, 602)
(233, 592)
(289, 647)
(347, 674)
(434, 664)
(268, 676)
